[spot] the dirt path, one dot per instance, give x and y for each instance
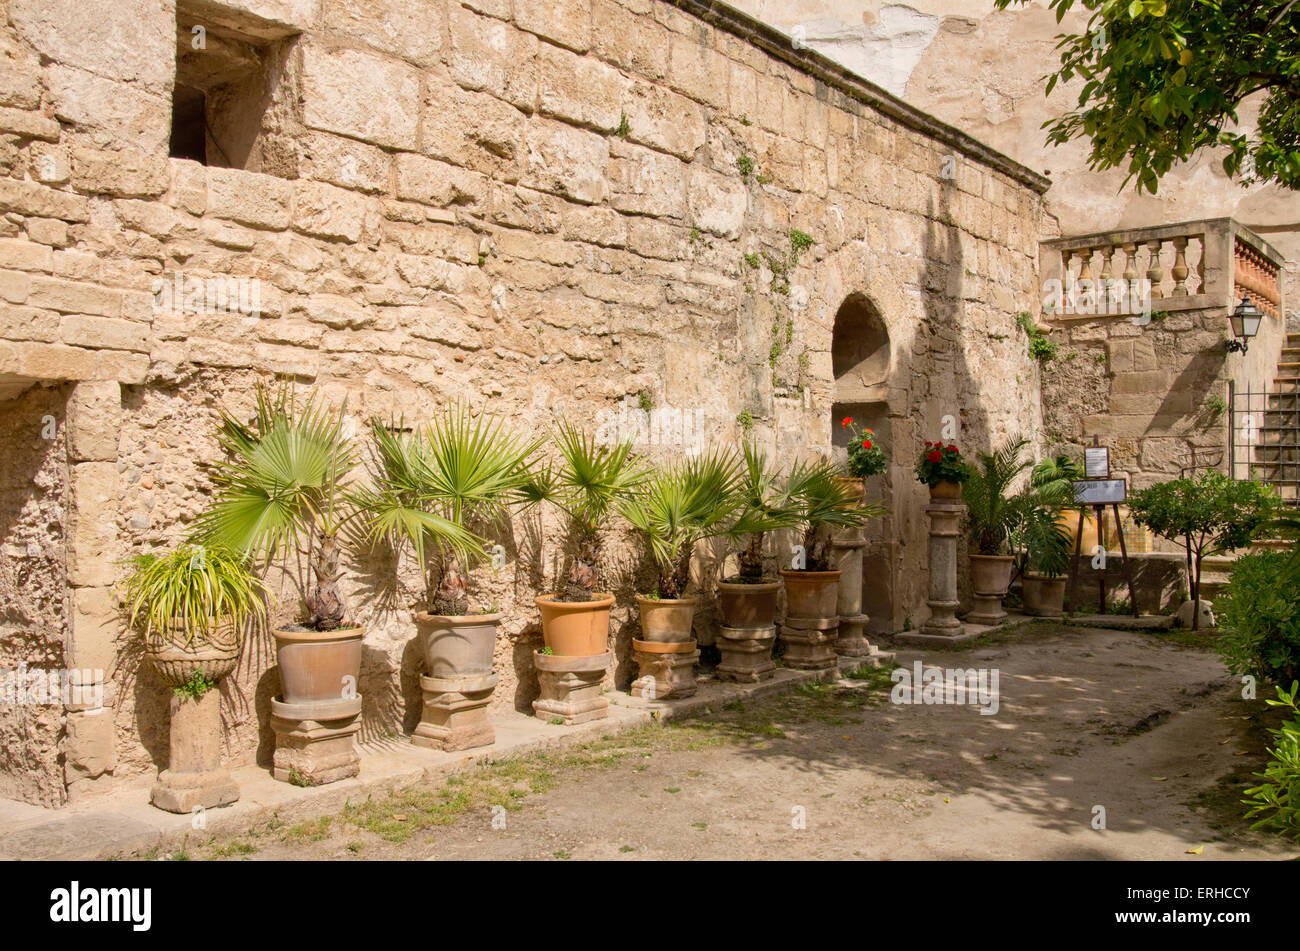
(1131, 722)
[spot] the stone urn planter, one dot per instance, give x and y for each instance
(990, 577)
(194, 778)
(575, 628)
(811, 594)
(666, 652)
(458, 652)
(748, 605)
(1043, 596)
(812, 619)
(318, 666)
(945, 492)
(317, 717)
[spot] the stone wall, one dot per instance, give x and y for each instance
(546, 209)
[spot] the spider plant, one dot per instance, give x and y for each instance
(192, 591)
(823, 501)
(430, 487)
(589, 484)
(766, 505)
(993, 512)
(680, 505)
(281, 487)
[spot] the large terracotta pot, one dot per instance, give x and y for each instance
(575, 628)
(666, 620)
(748, 606)
(856, 484)
(1043, 596)
(318, 666)
(459, 645)
(990, 574)
(213, 656)
(811, 594)
(946, 492)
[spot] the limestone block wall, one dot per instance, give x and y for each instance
(546, 209)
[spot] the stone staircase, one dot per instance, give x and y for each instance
(1278, 454)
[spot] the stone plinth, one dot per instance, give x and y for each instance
(986, 609)
(315, 742)
(945, 527)
(850, 642)
(810, 642)
(667, 671)
(570, 687)
(455, 713)
(746, 654)
(194, 777)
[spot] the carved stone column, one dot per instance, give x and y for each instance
(945, 527)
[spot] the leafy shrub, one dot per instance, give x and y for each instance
(1277, 800)
(1259, 619)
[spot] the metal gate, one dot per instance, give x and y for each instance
(1265, 439)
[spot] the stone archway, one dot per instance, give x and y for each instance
(861, 364)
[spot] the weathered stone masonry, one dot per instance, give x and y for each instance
(540, 207)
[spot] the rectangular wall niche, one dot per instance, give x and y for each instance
(225, 99)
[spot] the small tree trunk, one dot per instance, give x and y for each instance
(582, 575)
(324, 600)
(452, 596)
(1196, 596)
(751, 558)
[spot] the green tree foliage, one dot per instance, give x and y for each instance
(1163, 79)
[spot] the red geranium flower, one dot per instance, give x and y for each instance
(952, 448)
(934, 456)
(928, 443)
(866, 444)
(846, 422)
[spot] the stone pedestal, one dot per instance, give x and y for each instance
(570, 687)
(667, 671)
(746, 654)
(455, 713)
(986, 609)
(810, 642)
(315, 742)
(848, 544)
(945, 526)
(194, 776)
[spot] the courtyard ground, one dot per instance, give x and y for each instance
(1148, 726)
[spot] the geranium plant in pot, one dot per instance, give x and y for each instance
(281, 490)
(943, 469)
(588, 484)
(823, 502)
(748, 598)
(431, 490)
(866, 457)
(675, 508)
(992, 513)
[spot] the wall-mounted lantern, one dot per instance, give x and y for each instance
(1245, 324)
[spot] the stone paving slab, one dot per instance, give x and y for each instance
(122, 821)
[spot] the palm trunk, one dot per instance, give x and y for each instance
(817, 547)
(324, 600)
(582, 575)
(452, 597)
(751, 558)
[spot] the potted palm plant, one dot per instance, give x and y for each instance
(748, 598)
(429, 488)
(943, 470)
(588, 485)
(1042, 541)
(676, 507)
(993, 513)
(281, 488)
(823, 502)
(193, 607)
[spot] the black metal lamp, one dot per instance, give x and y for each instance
(1245, 324)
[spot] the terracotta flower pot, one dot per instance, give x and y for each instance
(1043, 596)
(990, 574)
(318, 666)
(575, 628)
(858, 485)
(666, 620)
(811, 594)
(213, 656)
(945, 492)
(748, 606)
(458, 645)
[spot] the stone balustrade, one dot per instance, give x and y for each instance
(1176, 267)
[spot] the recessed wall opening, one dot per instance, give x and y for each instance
(223, 100)
(859, 348)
